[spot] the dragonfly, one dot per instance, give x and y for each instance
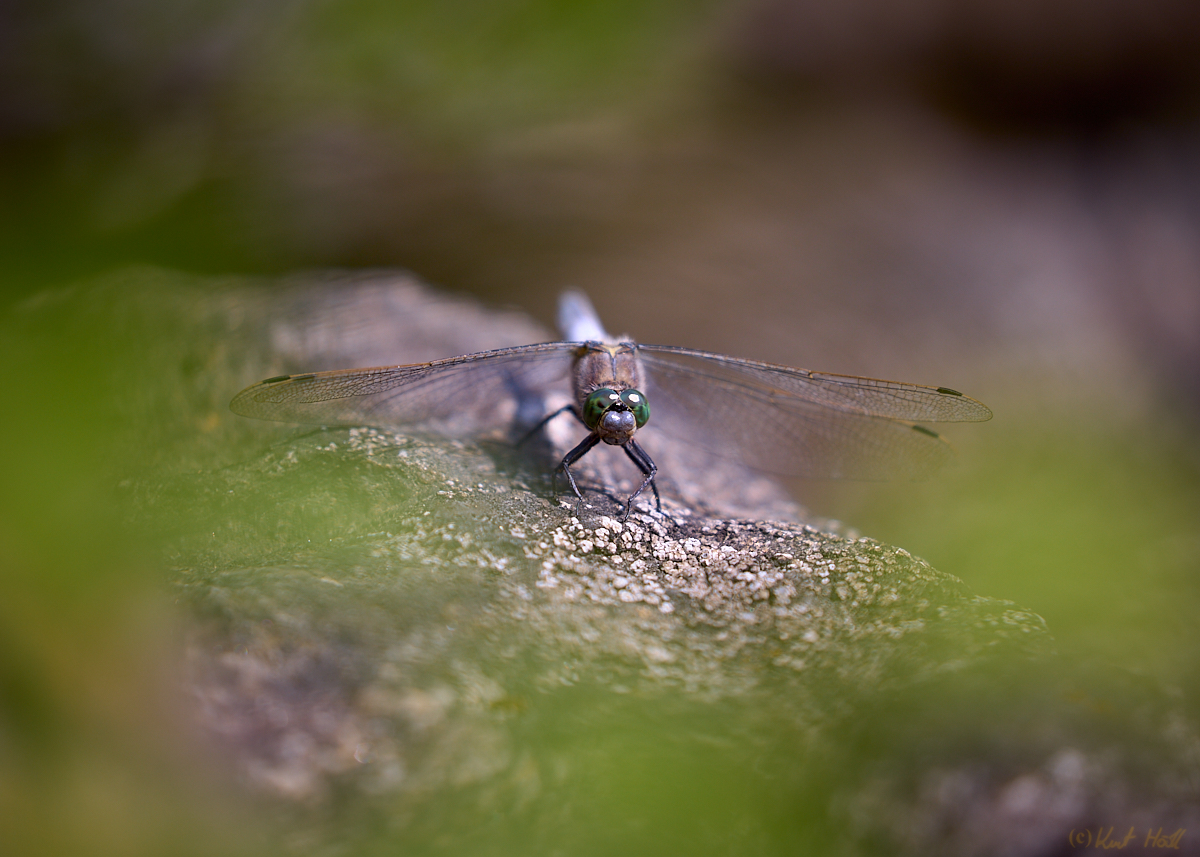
(771, 418)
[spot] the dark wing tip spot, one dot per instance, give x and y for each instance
(946, 391)
(278, 378)
(924, 430)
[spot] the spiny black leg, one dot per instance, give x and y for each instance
(542, 424)
(570, 458)
(645, 464)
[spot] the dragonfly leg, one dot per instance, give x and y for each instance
(570, 458)
(645, 464)
(546, 419)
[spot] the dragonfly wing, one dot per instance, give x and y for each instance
(458, 396)
(801, 423)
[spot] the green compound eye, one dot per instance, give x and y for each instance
(596, 404)
(636, 402)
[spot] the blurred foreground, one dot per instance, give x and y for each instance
(252, 637)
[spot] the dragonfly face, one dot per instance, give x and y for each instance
(615, 416)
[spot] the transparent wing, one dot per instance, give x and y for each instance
(460, 395)
(801, 423)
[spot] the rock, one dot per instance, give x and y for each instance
(411, 638)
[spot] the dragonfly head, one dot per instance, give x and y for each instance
(615, 416)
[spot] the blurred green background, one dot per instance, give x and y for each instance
(1001, 197)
